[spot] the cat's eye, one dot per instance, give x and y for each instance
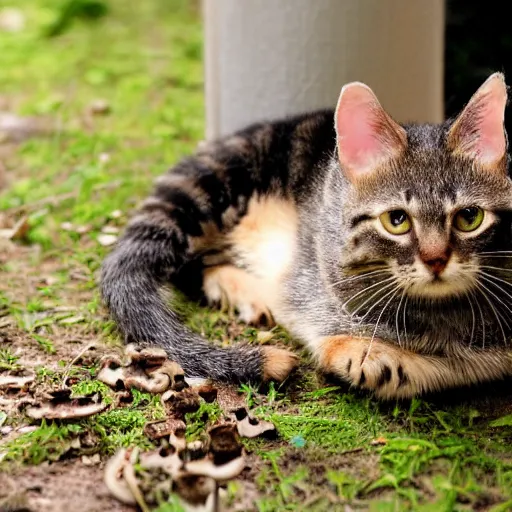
(469, 219)
(396, 222)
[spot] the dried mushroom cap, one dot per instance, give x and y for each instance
(175, 373)
(62, 406)
(196, 490)
(224, 443)
(149, 355)
(114, 479)
(220, 473)
(112, 375)
(16, 381)
(249, 427)
(181, 402)
(163, 428)
(207, 392)
(148, 369)
(135, 479)
(165, 458)
(156, 383)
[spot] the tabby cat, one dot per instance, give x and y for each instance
(386, 249)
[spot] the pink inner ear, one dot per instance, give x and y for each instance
(479, 132)
(366, 134)
(358, 142)
(490, 143)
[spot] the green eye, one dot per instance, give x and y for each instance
(396, 222)
(469, 219)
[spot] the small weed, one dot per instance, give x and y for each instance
(88, 387)
(8, 361)
(45, 343)
(48, 443)
(197, 422)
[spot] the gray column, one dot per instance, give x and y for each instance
(269, 58)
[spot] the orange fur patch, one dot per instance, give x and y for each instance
(329, 349)
(278, 363)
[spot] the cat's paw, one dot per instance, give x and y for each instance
(372, 365)
(278, 363)
(235, 290)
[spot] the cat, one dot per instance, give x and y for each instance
(385, 248)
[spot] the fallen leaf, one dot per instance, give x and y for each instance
(17, 129)
(106, 240)
(18, 231)
(71, 320)
(264, 336)
(92, 460)
(99, 107)
(110, 230)
(379, 441)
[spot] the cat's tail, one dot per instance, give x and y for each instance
(131, 289)
(156, 244)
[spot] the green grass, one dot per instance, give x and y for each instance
(144, 59)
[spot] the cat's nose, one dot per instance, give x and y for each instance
(436, 261)
(437, 265)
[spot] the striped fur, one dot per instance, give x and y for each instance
(268, 223)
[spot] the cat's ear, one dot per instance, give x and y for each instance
(366, 134)
(479, 132)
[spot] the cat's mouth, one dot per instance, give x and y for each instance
(455, 280)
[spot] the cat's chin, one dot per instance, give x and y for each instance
(439, 289)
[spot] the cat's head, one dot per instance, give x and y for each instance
(425, 203)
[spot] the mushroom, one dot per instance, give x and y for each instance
(114, 479)
(15, 381)
(60, 405)
(252, 427)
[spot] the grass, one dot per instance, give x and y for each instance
(143, 61)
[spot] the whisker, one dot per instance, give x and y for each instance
(369, 299)
(355, 278)
(495, 252)
(488, 277)
(473, 323)
(496, 296)
(405, 320)
(500, 269)
(376, 304)
(396, 317)
(491, 255)
(366, 289)
(377, 325)
(494, 311)
(483, 322)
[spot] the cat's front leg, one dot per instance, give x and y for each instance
(392, 372)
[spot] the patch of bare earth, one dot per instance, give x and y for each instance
(59, 487)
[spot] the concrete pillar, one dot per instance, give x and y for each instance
(269, 58)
